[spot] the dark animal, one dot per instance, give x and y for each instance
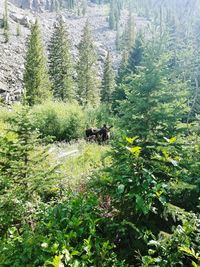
(98, 135)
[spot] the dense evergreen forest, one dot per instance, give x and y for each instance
(133, 200)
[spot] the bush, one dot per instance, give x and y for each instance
(63, 121)
(138, 185)
(96, 117)
(67, 234)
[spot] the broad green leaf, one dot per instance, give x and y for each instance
(190, 252)
(131, 140)
(159, 193)
(57, 261)
(135, 150)
(172, 140)
(195, 265)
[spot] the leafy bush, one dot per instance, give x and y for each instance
(68, 234)
(97, 117)
(63, 121)
(138, 185)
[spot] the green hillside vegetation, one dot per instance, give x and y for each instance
(132, 201)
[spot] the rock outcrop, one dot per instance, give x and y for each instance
(38, 5)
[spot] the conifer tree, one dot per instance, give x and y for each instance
(128, 36)
(112, 18)
(115, 13)
(119, 93)
(135, 55)
(108, 82)
(131, 31)
(24, 168)
(129, 65)
(87, 77)
(60, 63)
(36, 80)
(123, 67)
(55, 5)
(84, 7)
(154, 102)
(5, 22)
(118, 44)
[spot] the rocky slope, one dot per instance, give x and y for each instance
(32, 4)
(13, 53)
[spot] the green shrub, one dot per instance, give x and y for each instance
(26, 171)
(67, 234)
(63, 121)
(138, 183)
(7, 112)
(96, 117)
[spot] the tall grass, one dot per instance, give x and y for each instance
(77, 168)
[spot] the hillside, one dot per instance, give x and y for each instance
(13, 52)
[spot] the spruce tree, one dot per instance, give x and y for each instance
(135, 55)
(60, 63)
(131, 31)
(36, 80)
(128, 36)
(129, 65)
(5, 22)
(25, 172)
(112, 18)
(115, 12)
(108, 82)
(154, 102)
(118, 41)
(87, 76)
(84, 7)
(119, 92)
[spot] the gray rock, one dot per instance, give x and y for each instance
(23, 20)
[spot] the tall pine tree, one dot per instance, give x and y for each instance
(108, 82)
(128, 36)
(36, 80)
(135, 55)
(129, 65)
(5, 22)
(25, 173)
(87, 76)
(155, 102)
(60, 63)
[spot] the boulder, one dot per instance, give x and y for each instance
(23, 20)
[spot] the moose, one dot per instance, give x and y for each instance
(98, 135)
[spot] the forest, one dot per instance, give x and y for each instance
(133, 200)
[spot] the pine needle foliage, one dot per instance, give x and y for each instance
(108, 81)
(87, 72)
(36, 79)
(5, 22)
(60, 63)
(25, 172)
(154, 101)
